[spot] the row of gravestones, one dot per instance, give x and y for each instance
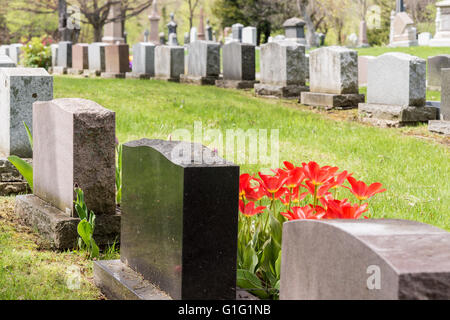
(13, 51)
(177, 224)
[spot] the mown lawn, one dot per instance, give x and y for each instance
(422, 52)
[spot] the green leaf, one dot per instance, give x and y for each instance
(30, 136)
(250, 282)
(278, 265)
(25, 169)
(95, 251)
(250, 259)
(276, 229)
(85, 232)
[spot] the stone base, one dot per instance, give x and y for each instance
(11, 181)
(91, 73)
(59, 228)
(59, 70)
(406, 43)
(110, 75)
(143, 76)
(332, 101)
(164, 78)
(275, 91)
(201, 81)
(439, 126)
(117, 281)
(439, 42)
(75, 72)
(236, 84)
(395, 116)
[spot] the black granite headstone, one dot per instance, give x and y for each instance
(238, 61)
(179, 218)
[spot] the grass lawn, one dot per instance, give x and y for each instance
(413, 164)
(422, 52)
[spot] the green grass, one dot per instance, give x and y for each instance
(422, 52)
(415, 171)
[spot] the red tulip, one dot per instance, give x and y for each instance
(361, 191)
(244, 185)
(318, 175)
(345, 210)
(273, 183)
(295, 177)
(301, 213)
(249, 209)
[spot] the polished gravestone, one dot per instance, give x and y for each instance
(203, 63)
(238, 66)
(179, 222)
(333, 79)
(143, 61)
(169, 63)
(80, 59)
(117, 62)
(73, 145)
(97, 62)
(64, 61)
(364, 259)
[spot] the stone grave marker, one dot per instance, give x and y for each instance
(169, 63)
(15, 50)
(143, 61)
(54, 50)
(64, 58)
(249, 35)
(282, 70)
(80, 59)
(193, 35)
(117, 62)
(442, 125)
(364, 259)
(442, 36)
(4, 50)
(74, 145)
(435, 65)
(424, 38)
(166, 238)
(97, 60)
(294, 30)
(396, 91)
(236, 31)
(203, 63)
(113, 30)
(403, 32)
(363, 66)
(238, 66)
(6, 62)
(333, 79)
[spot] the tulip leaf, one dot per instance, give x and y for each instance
(278, 265)
(276, 229)
(85, 231)
(30, 136)
(250, 259)
(250, 282)
(25, 169)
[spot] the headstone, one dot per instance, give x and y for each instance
(203, 63)
(169, 63)
(97, 59)
(172, 25)
(146, 35)
(363, 66)
(399, 6)
(362, 39)
(209, 31)
(182, 253)
(282, 70)
(238, 66)
(73, 145)
(193, 34)
(4, 50)
(54, 50)
(187, 38)
(333, 79)
(352, 40)
(21, 87)
(424, 38)
(15, 51)
(249, 35)
(236, 30)
(402, 32)
(445, 100)
(201, 27)
(396, 91)
(113, 30)
(6, 62)
(143, 61)
(435, 64)
(64, 57)
(80, 58)
(65, 33)
(162, 38)
(294, 30)
(365, 259)
(173, 41)
(117, 62)
(442, 36)
(154, 23)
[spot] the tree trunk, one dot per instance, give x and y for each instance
(98, 33)
(311, 30)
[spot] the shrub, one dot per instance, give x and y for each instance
(37, 53)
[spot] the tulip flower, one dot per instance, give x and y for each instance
(345, 210)
(301, 213)
(363, 192)
(318, 175)
(244, 185)
(249, 209)
(273, 183)
(295, 177)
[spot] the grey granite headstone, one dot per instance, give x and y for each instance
(203, 62)
(21, 87)
(445, 93)
(6, 62)
(237, 31)
(173, 233)
(144, 58)
(54, 50)
(169, 62)
(238, 61)
(435, 64)
(364, 259)
(173, 41)
(15, 51)
(97, 56)
(74, 144)
(294, 28)
(65, 54)
(249, 35)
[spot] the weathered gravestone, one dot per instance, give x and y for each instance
(54, 50)
(6, 62)
(333, 78)
(117, 62)
(396, 91)
(294, 30)
(442, 36)
(402, 32)
(442, 125)
(15, 50)
(21, 88)
(282, 70)
(143, 61)
(175, 236)
(364, 260)
(435, 64)
(249, 35)
(238, 66)
(80, 59)
(424, 38)
(169, 63)
(363, 66)
(97, 59)
(74, 145)
(64, 61)
(236, 30)
(203, 63)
